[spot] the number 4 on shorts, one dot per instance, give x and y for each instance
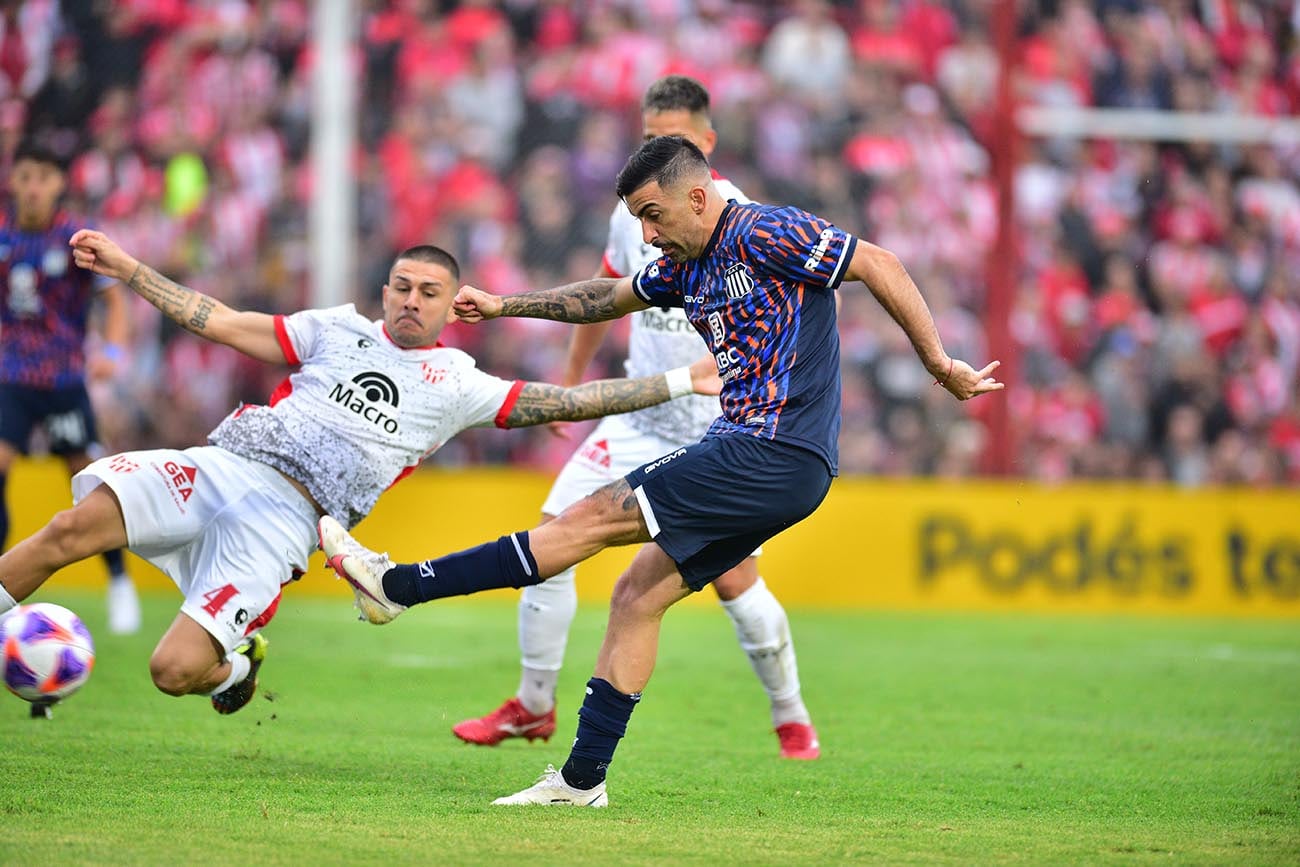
(218, 598)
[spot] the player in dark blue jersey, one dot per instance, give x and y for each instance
(758, 283)
(45, 309)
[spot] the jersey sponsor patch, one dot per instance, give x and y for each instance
(366, 395)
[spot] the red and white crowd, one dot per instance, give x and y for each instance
(1157, 309)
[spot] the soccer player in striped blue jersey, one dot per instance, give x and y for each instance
(659, 338)
(45, 306)
(757, 282)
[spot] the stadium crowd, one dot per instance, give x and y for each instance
(1157, 311)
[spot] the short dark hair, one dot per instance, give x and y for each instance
(433, 255)
(664, 159)
(676, 93)
(37, 152)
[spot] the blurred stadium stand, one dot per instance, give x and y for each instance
(1155, 313)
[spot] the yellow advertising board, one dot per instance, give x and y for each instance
(1011, 546)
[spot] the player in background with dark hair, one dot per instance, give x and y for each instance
(659, 338)
(757, 281)
(234, 521)
(45, 311)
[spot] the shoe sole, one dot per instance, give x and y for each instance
(370, 607)
(601, 800)
(505, 736)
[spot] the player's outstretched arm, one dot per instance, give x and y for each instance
(251, 333)
(892, 286)
(593, 300)
(541, 402)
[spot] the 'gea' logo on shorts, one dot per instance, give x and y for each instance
(665, 459)
(181, 478)
(374, 388)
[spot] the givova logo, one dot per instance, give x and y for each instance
(366, 394)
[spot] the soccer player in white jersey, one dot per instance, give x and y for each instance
(234, 521)
(659, 338)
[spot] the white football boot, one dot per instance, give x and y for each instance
(360, 567)
(551, 790)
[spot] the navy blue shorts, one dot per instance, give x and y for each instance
(65, 413)
(710, 504)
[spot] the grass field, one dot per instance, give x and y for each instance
(946, 738)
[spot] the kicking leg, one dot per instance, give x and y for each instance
(608, 517)
(91, 527)
(763, 631)
(123, 603)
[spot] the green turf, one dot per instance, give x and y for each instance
(947, 739)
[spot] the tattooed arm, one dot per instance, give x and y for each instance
(541, 402)
(593, 300)
(251, 333)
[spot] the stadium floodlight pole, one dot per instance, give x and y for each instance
(333, 131)
(1002, 265)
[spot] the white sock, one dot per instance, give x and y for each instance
(239, 666)
(6, 601)
(764, 634)
(546, 612)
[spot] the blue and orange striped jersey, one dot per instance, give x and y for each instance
(44, 304)
(762, 296)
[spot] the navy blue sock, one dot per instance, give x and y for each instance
(602, 722)
(116, 565)
(507, 562)
(4, 513)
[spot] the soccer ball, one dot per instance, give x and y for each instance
(46, 652)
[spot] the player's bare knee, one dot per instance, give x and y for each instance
(171, 676)
(631, 601)
(65, 535)
(731, 585)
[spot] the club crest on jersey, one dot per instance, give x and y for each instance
(365, 394)
(739, 282)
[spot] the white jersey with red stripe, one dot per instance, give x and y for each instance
(361, 412)
(661, 338)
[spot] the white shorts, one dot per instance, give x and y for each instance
(229, 531)
(613, 450)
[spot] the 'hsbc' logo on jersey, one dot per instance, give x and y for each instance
(823, 243)
(371, 388)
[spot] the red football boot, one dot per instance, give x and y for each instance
(798, 741)
(511, 720)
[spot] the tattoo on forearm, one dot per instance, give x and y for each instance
(540, 402)
(588, 301)
(199, 320)
(182, 305)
